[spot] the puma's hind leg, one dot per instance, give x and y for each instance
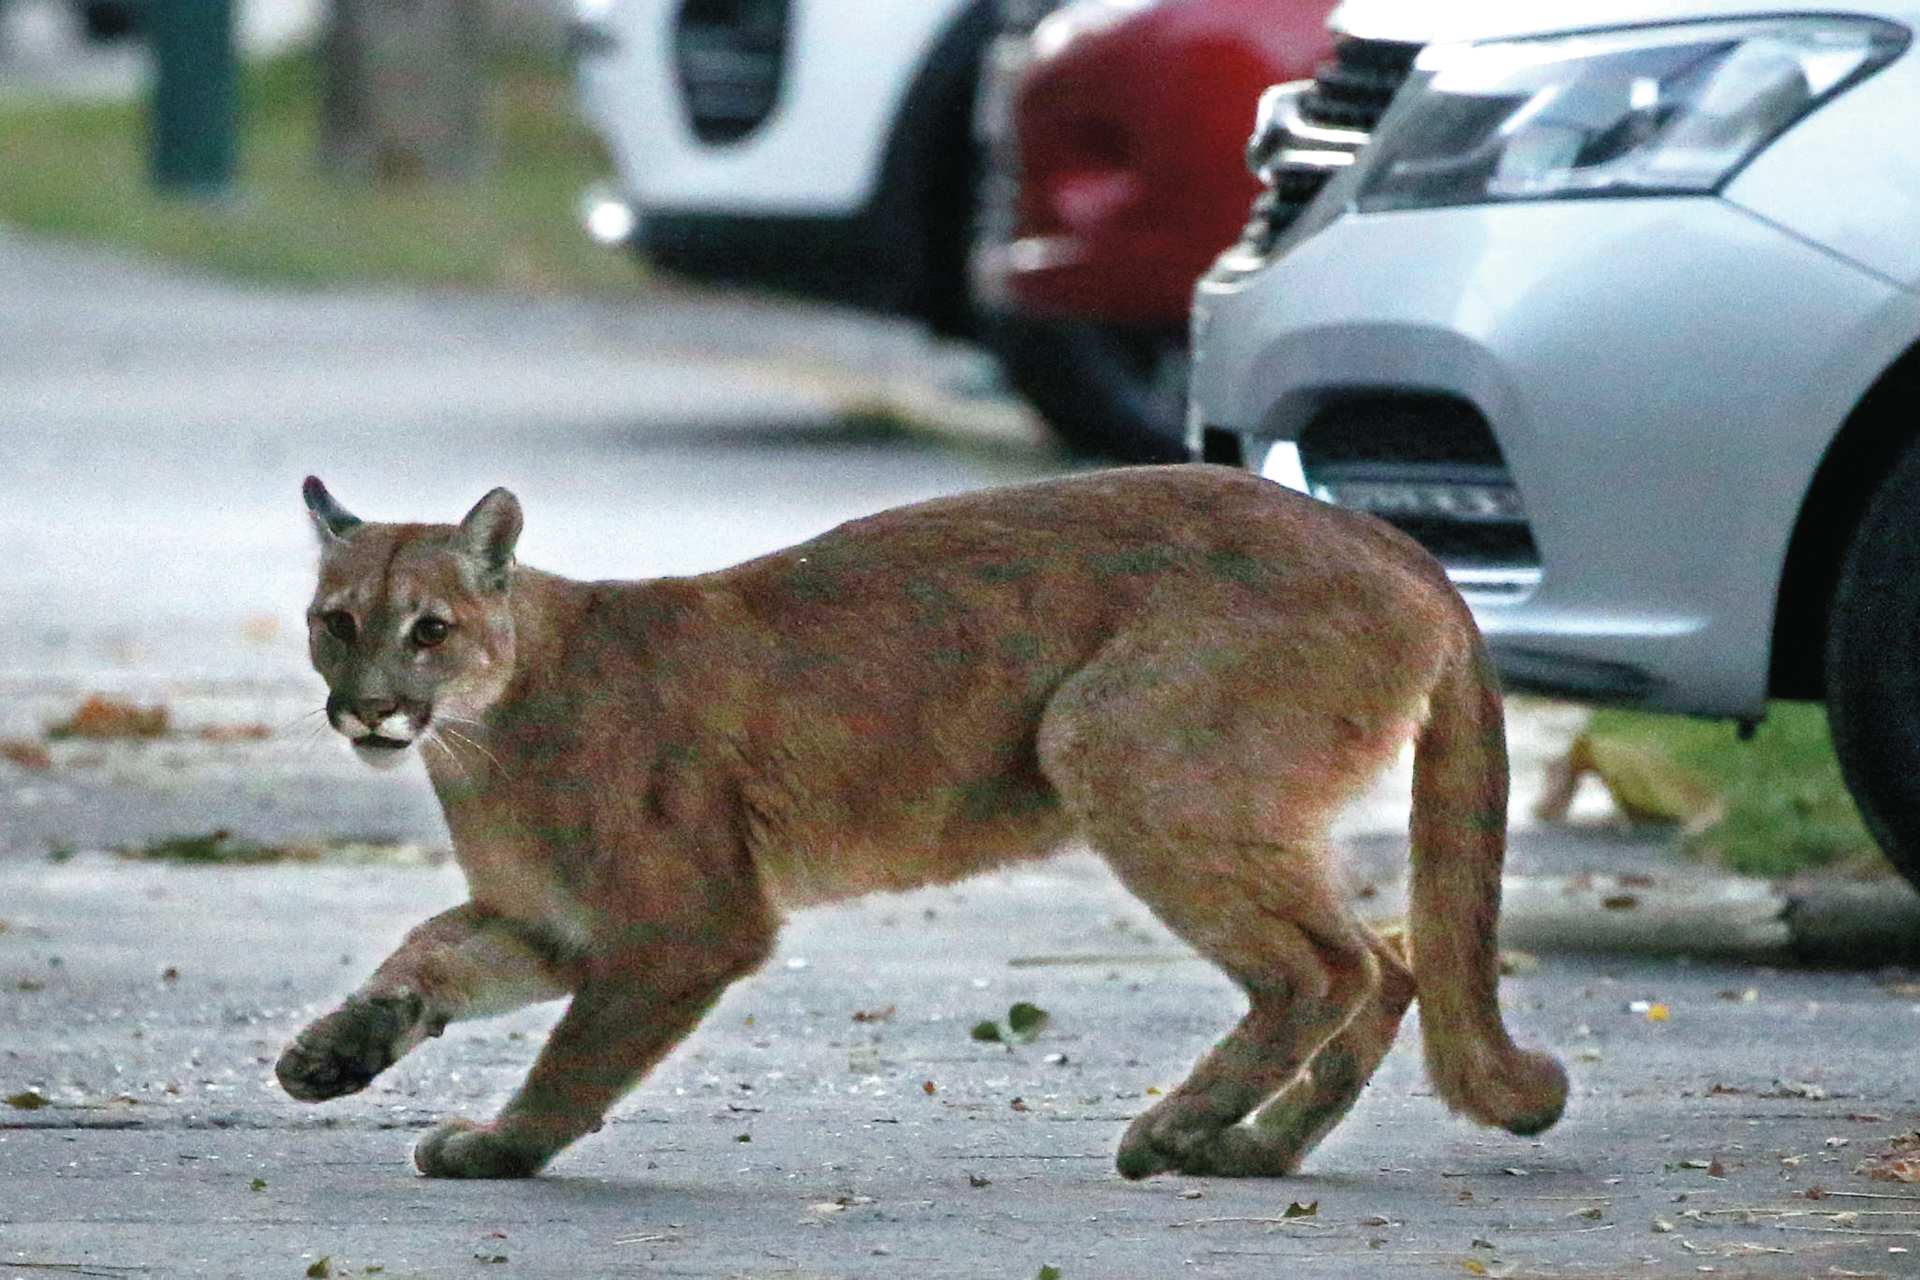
(1307, 970)
(1207, 773)
(1294, 1122)
(459, 964)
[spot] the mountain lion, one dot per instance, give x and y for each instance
(1189, 668)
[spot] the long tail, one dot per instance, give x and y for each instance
(1459, 843)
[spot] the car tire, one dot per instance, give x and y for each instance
(1873, 666)
(1107, 391)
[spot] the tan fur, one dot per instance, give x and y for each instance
(1190, 668)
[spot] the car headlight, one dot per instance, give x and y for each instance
(1662, 110)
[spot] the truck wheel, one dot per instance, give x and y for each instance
(1873, 666)
(1107, 391)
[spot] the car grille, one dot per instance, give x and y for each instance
(1321, 128)
(730, 56)
(1429, 465)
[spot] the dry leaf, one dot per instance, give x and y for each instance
(234, 733)
(103, 717)
(1900, 1162)
(25, 754)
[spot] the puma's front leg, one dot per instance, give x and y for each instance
(635, 1004)
(460, 964)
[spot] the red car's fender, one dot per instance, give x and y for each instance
(1131, 141)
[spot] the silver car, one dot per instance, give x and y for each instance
(1614, 304)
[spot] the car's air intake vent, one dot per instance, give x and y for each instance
(730, 55)
(1430, 465)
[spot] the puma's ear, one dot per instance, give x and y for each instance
(330, 520)
(488, 535)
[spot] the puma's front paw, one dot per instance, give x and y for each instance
(464, 1149)
(344, 1051)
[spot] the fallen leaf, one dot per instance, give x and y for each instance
(234, 733)
(1796, 1089)
(1048, 1273)
(975, 1180)
(1019, 1104)
(1658, 1013)
(25, 754)
(31, 1100)
(874, 1015)
(258, 1184)
(1027, 1020)
(321, 1269)
(260, 628)
(926, 1087)
(1620, 901)
(1298, 1210)
(1716, 1170)
(1517, 963)
(987, 1031)
(102, 717)
(1899, 1162)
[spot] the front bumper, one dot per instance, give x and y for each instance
(1662, 377)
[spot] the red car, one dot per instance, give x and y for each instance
(1115, 133)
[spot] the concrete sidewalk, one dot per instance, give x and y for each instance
(834, 1116)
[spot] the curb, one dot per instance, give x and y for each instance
(1715, 917)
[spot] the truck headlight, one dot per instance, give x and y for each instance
(1661, 110)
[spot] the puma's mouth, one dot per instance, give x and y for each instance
(379, 750)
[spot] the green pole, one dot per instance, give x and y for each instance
(195, 96)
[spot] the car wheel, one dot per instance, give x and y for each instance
(1873, 666)
(1107, 391)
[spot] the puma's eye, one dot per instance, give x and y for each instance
(339, 625)
(429, 632)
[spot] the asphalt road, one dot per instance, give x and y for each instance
(155, 429)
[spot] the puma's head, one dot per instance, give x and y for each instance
(411, 625)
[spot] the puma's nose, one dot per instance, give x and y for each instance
(371, 711)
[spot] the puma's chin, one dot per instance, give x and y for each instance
(380, 752)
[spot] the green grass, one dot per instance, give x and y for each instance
(1787, 809)
(79, 170)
